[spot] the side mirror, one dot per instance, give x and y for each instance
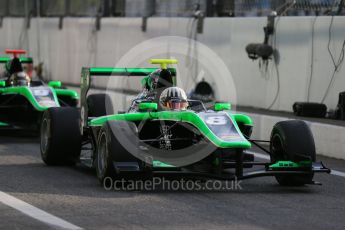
(55, 84)
(2, 83)
(222, 106)
(148, 106)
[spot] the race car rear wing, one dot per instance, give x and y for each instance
(125, 72)
(88, 73)
(25, 60)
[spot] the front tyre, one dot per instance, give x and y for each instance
(292, 141)
(113, 138)
(60, 139)
(103, 161)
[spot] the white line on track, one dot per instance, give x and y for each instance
(337, 173)
(34, 212)
(263, 156)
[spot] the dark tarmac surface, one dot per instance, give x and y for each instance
(75, 195)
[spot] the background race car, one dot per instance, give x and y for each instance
(23, 99)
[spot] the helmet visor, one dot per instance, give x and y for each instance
(177, 105)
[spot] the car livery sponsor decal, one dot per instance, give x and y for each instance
(221, 125)
(44, 96)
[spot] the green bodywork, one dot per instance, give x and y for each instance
(4, 124)
(222, 106)
(67, 92)
(242, 118)
(290, 164)
(54, 84)
(26, 92)
(159, 164)
(182, 116)
(148, 106)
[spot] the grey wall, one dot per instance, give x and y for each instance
(65, 51)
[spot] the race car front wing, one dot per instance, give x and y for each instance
(316, 167)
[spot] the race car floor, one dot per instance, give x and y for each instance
(34, 196)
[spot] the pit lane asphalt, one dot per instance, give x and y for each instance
(74, 195)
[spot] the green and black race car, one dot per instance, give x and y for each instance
(24, 99)
(165, 132)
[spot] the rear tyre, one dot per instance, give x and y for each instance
(60, 136)
(98, 104)
(292, 141)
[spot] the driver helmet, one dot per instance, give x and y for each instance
(20, 79)
(174, 98)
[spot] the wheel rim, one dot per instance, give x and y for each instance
(44, 136)
(102, 154)
(277, 148)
